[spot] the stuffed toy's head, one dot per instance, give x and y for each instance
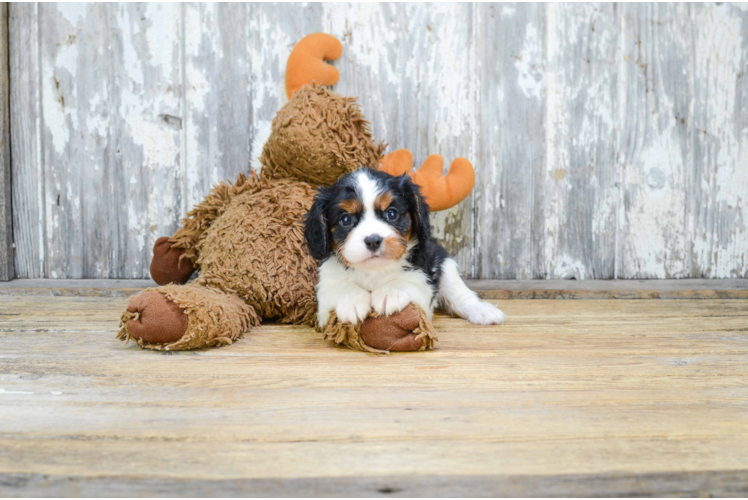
(319, 135)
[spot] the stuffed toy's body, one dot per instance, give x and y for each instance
(247, 238)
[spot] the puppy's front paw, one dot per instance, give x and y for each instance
(483, 313)
(389, 300)
(354, 307)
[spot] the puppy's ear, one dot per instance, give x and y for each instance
(315, 227)
(418, 208)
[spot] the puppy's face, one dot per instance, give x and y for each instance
(368, 218)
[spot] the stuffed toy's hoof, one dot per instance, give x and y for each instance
(167, 265)
(154, 319)
(408, 330)
(180, 317)
(394, 332)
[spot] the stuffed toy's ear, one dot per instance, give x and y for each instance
(440, 191)
(306, 64)
(315, 228)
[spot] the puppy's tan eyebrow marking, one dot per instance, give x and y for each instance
(383, 201)
(351, 206)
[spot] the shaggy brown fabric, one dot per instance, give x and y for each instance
(214, 318)
(254, 255)
(317, 137)
(408, 330)
(167, 265)
(202, 216)
(256, 249)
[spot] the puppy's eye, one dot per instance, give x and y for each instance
(346, 220)
(392, 214)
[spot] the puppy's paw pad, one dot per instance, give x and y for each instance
(486, 314)
(389, 301)
(354, 307)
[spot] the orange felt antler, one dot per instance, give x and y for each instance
(306, 64)
(440, 191)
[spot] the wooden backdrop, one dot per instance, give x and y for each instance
(609, 140)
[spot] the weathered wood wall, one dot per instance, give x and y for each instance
(7, 270)
(609, 140)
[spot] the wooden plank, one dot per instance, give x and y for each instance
(718, 208)
(580, 181)
(106, 148)
(654, 142)
(217, 102)
(418, 89)
(7, 258)
(85, 288)
(611, 289)
(146, 78)
(509, 224)
(29, 220)
(488, 289)
(583, 396)
(698, 484)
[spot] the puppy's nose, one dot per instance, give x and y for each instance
(373, 242)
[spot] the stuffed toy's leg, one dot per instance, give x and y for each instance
(408, 330)
(176, 317)
(169, 265)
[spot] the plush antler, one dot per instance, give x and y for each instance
(306, 64)
(440, 191)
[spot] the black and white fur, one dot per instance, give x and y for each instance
(371, 232)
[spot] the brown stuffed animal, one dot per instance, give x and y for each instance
(247, 238)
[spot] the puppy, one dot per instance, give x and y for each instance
(371, 232)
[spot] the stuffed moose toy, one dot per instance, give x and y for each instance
(247, 238)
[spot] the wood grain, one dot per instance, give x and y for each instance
(719, 176)
(487, 289)
(609, 140)
(643, 397)
(509, 203)
(698, 484)
(655, 140)
(580, 182)
(29, 202)
(7, 259)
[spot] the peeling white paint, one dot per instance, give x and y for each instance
(72, 12)
(566, 267)
(655, 220)
(720, 247)
(138, 120)
(3, 391)
(531, 77)
(508, 11)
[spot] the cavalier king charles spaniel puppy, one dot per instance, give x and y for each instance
(370, 231)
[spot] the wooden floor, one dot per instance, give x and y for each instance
(583, 397)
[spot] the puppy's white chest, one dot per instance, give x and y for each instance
(371, 280)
